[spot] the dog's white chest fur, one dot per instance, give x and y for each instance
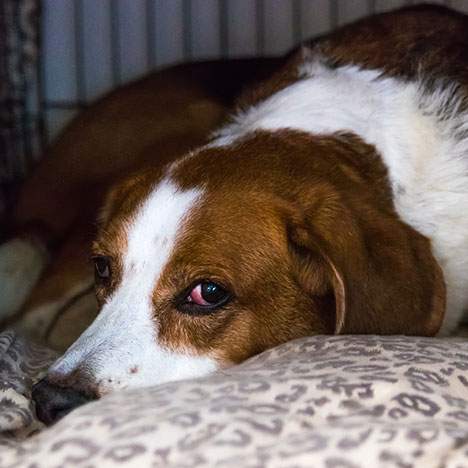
(421, 135)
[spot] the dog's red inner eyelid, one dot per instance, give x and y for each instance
(196, 297)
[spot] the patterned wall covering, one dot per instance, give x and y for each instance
(19, 102)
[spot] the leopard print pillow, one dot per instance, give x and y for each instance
(334, 402)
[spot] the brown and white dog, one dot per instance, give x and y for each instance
(333, 201)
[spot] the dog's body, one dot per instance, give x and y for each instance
(333, 202)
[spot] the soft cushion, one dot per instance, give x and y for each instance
(336, 402)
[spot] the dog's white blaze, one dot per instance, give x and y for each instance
(420, 134)
(21, 264)
(120, 349)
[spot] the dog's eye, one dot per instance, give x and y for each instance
(206, 294)
(102, 269)
(204, 297)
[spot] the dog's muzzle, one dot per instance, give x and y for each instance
(53, 402)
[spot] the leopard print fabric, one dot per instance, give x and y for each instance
(333, 402)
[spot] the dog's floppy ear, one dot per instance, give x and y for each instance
(381, 271)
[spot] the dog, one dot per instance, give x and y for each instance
(331, 200)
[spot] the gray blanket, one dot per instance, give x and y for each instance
(20, 363)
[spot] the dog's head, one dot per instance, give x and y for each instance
(236, 249)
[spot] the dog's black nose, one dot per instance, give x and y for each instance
(54, 402)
